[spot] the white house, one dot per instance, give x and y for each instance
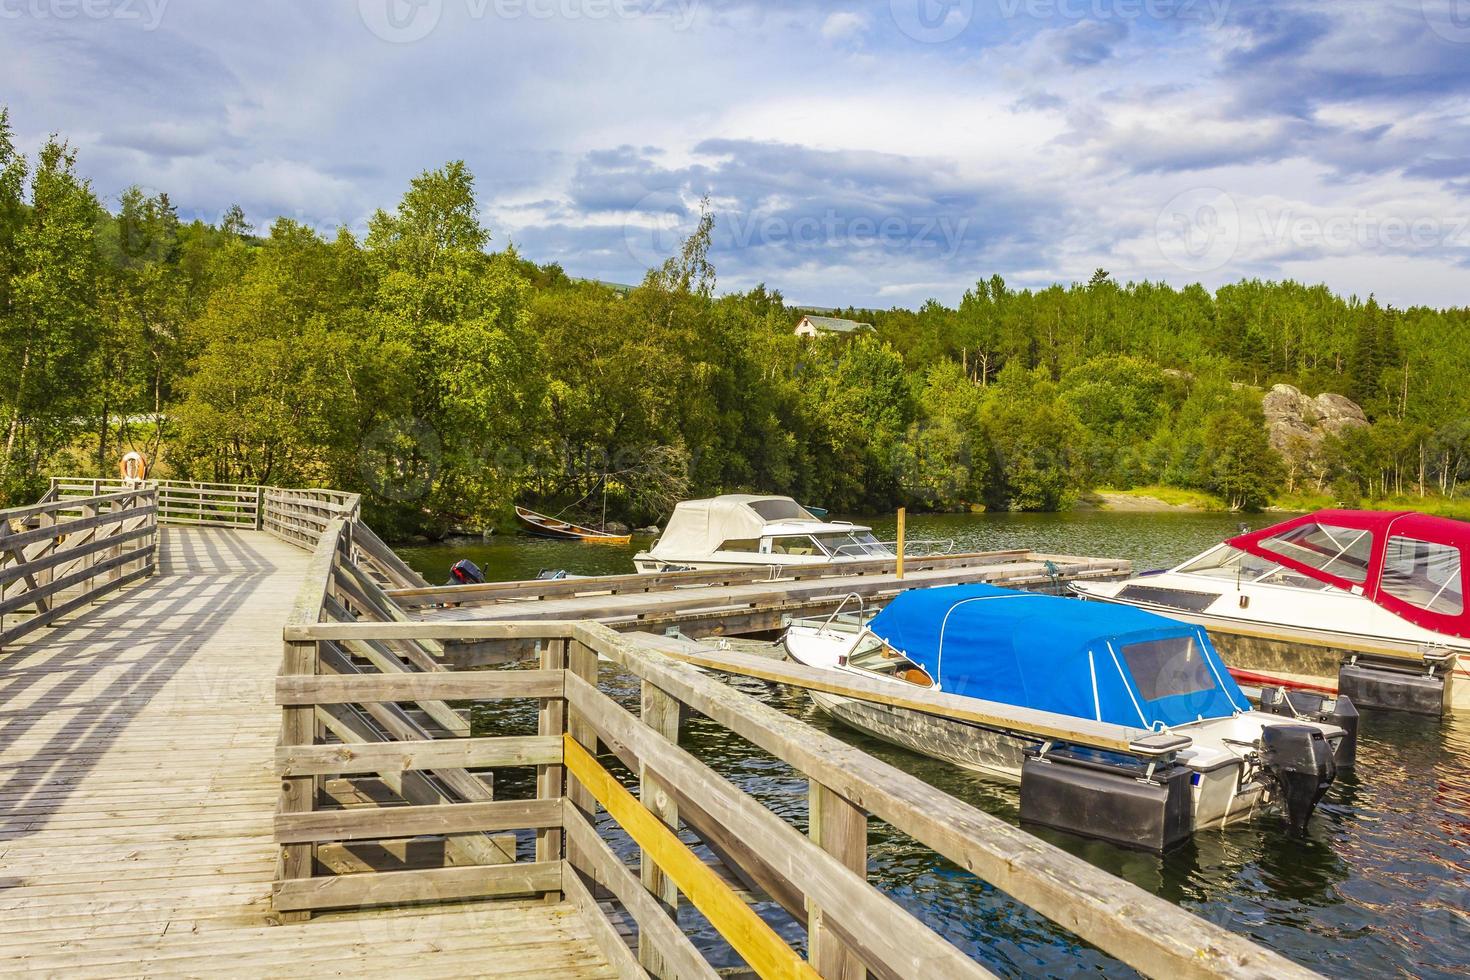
(812, 326)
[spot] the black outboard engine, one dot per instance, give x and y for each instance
(1300, 760)
(1311, 706)
(465, 572)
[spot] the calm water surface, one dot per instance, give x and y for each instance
(1378, 887)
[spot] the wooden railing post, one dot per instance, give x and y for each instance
(298, 793)
(582, 661)
(551, 720)
(260, 508)
(659, 711)
(114, 530)
(841, 829)
(44, 576)
(90, 510)
(153, 496)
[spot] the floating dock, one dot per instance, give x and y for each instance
(228, 749)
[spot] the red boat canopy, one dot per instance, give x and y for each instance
(1413, 565)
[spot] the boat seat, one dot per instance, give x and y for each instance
(915, 675)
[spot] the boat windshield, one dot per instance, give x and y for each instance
(779, 509)
(1168, 667)
(875, 656)
(853, 544)
(1226, 562)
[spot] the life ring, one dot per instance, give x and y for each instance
(134, 467)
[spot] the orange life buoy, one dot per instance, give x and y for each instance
(134, 467)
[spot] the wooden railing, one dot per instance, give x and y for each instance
(376, 751)
(59, 555)
(180, 502)
(298, 516)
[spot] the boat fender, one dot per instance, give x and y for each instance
(1113, 803)
(1417, 689)
(465, 572)
(1300, 761)
(1311, 706)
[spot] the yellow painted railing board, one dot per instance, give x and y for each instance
(747, 933)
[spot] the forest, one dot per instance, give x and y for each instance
(445, 376)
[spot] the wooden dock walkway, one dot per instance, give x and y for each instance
(138, 790)
(228, 746)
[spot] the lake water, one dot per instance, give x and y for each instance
(1378, 887)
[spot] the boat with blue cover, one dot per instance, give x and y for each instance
(1147, 677)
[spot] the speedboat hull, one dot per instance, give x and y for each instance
(1218, 796)
(1224, 785)
(1307, 650)
(1373, 601)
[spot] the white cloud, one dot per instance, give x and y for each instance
(844, 24)
(1058, 142)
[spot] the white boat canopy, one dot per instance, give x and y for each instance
(700, 527)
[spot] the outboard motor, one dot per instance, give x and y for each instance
(1311, 706)
(1300, 760)
(465, 572)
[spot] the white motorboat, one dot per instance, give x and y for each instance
(1371, 604)
(756, 531)
(1152, 678)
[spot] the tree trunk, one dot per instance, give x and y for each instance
(20, 387)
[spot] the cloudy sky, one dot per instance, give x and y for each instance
(869, 153)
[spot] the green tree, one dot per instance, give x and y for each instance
(461, 314)
(1241, 466)
(49, 330)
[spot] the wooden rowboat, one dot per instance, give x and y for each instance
(542, 526)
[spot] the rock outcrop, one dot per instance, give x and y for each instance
(1297, 423)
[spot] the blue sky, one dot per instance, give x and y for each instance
(870, 153)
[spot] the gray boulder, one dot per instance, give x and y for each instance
(1297, 423)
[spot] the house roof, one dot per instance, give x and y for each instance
(835, 324)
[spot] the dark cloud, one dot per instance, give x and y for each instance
(1089, 43)
(780, 206)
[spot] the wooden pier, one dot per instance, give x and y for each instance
(249, 758)
(729, 601)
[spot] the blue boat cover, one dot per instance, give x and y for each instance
(1093, 660)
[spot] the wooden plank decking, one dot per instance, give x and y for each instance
(137, 791)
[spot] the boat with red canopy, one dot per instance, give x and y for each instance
(1369, 604)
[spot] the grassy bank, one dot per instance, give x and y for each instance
(1172, 498)
(1457, 507)
(1156, 498)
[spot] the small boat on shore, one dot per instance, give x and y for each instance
(1151, 677)
(541, 526)
(1370, 604)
